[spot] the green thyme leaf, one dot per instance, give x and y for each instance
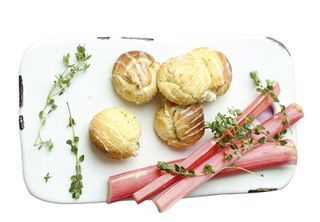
(234, 111)
(254, 76)
(81, 158)
(282, 142)
(66, 60)
(71, 122)
(274, 98)
(262, 140)
(208, 169)
(76, 139)
(47, 177)
(163, 166)
(228, 156)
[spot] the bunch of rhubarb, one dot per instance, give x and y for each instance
(238, 145)
(124, 185)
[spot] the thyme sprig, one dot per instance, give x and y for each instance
(59, 86)
(76, 180)
(175, 169)
(225, 127)
(47, 177)
(268, 89)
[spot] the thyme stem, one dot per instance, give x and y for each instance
(62, 82)
(76, 180)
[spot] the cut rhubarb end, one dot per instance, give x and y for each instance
(298, 107)
(140, 196)
(294, 156)
(159, 206)
(294, 152)
(180, 189)
(109, 198)
(122, 186)
(264, 157)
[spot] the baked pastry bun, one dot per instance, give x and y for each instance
(218, 66)
(179, 126)
(198, 76)
(134, 76)
(185, 80)
(115, 131)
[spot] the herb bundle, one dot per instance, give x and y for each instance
(59, 86)
(76, 180)
(267, 89)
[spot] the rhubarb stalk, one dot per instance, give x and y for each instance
(258, 106)
(181, 188)
(122, 186)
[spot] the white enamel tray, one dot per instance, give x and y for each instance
(92, 91)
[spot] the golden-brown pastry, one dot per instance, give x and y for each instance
(134, 76)
(185, 80)
(179, 126)
(198, 76)
(218, 66)
(116, 131)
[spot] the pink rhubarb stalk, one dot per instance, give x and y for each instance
(263, 157)
(258, 106)
(181, 188)
(122, 186)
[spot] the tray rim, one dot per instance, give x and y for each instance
(147, 39)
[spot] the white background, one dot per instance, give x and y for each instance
(295, 24)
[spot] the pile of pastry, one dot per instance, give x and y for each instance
(185, 81)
